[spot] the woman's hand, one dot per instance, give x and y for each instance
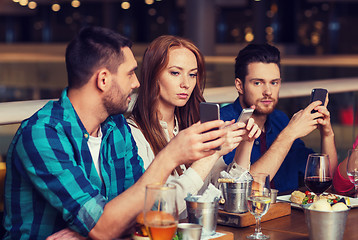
(238, 132)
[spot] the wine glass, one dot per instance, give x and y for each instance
(258, 202)
(352, 168)
(318, 176)
(160, 211)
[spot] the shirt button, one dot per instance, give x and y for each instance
(257, 142)
(86, 135)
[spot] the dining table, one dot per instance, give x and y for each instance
(291, 227)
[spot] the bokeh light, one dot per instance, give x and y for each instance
(32, 5)
(160, 20)
(269, 30)
(235, 32)
(23, 2)
(249, 37)
(315, 38)
(55, 7)
(75, 3)
(152, 12)
(125, 5)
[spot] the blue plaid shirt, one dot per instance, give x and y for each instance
(51, 181)
(293, 167)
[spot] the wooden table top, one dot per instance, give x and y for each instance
(292, 227)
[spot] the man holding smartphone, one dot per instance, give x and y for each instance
(278, 151)
(74, 164)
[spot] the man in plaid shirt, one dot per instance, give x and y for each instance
(74, 164)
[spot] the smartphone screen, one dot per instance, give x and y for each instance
(245, 115)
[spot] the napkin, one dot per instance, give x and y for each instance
(211, 194)
(238, 174)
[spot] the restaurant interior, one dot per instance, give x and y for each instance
(317, 39)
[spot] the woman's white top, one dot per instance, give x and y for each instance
(189, 182)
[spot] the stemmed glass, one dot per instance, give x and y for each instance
(259, 201)
(318, 176)
(160, 211)
(352, 168)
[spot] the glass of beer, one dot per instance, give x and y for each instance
(160, 211)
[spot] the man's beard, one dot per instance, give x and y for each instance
(115, 102)
(258, 109)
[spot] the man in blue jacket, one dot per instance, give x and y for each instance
(278, 151)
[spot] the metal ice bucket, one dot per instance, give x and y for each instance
(235, 195)
(189, 231)
(203, 213)
(326, 225)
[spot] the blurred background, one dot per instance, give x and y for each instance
(318, 41)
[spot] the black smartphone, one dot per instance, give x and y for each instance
(209, 112)
(318, 94)
(245, 115)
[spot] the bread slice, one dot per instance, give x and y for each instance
(297, 197)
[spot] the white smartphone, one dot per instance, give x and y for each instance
(245, 115)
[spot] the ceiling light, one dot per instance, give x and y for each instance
(56, 7)
(125, 5)
(32, 5)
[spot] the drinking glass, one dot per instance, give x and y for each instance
(258, 202)
(352, 168)
(160, 211)
(318, 176)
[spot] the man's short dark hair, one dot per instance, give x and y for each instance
(252, 53)
(91, 49)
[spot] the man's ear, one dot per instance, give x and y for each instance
(103, 79)
(239, 86)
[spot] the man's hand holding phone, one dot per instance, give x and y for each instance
(253, 131)
(319, 94)
(324, 122)
(245, 129)
(245, 115)
(196, 141)
(315, 115)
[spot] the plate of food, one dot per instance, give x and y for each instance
(300, 199)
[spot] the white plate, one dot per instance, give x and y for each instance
(286, 198)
